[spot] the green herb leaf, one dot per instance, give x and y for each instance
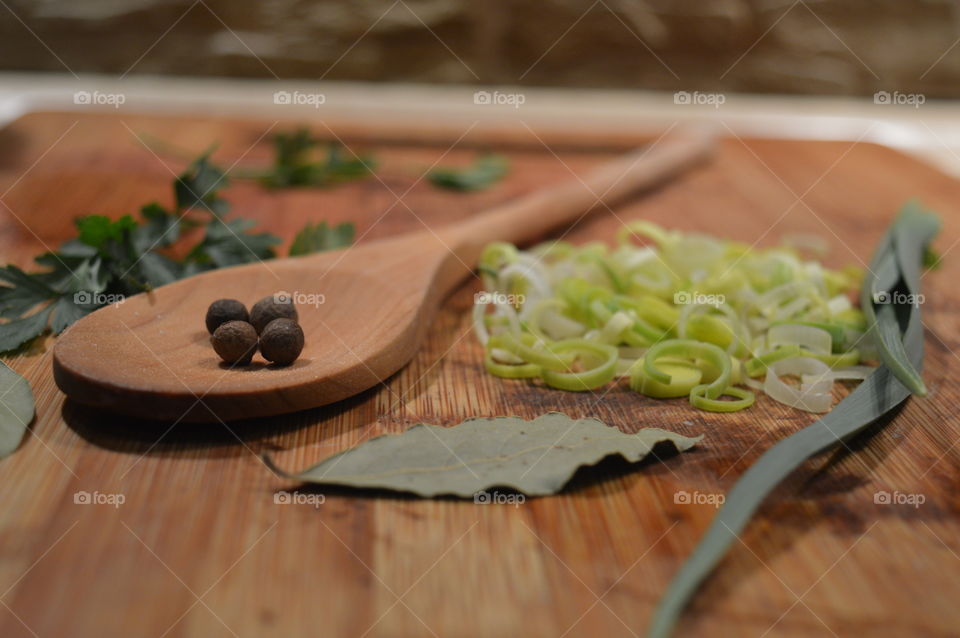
(199, 185)
(882, 391)
(25, 293)
(485, 171)
(16, 409)
(19, 331)
(50, 294)
(534, 457)
(343, 166)
(98, 231)
(157, 270)
(229, 244)
(160, 228)
(320, 237)
(296, 164)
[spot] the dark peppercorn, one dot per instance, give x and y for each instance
(281, 341)
(276, 306)
(224, 310)
(235, 342)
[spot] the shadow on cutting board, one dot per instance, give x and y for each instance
(122, 433)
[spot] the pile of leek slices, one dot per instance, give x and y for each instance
(679, 314)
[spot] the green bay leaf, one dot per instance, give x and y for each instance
(535, 457)
(16, 409)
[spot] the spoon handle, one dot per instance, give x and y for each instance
(528, 217)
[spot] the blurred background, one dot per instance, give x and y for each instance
(833, 47)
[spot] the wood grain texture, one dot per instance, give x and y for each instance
(199, 519)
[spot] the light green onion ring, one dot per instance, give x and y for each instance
(509, 370)
(758, 365)
(524, 348)
(692, 350)
(644, 311)
(684, 376)
(698, 399)
(590, 379)
(644, 229)
(842, 360)
(498, 254)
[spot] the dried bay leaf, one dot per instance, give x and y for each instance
(534, 457)
(16, 409)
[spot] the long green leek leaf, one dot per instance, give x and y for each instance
(900, 341)
(885, 292)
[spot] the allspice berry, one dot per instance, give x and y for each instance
(224, 310)
(235, 342)
(276, 306)
(281, 341)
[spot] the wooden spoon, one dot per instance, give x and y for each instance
(151, 356)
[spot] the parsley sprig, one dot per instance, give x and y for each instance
(112, 259)
(485, 171)
(297, 162)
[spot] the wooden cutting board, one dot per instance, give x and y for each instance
(200, 548)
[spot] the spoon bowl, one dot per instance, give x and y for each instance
(150, 356)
